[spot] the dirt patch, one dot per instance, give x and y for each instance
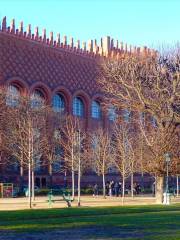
(83, 233)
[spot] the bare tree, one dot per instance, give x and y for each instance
(158, 142)
(25, 138)
(80, 160)
(5, 119)
(149, 84)
(68, 132)
(52, 147)
(73, 143)
(101, 154)
(124, 154)
(134, 163)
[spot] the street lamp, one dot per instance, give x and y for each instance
(167, 157)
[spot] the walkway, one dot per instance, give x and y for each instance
(86, 201)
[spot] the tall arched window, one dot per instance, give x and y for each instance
(78, 107)
(37, 99)
(142, 116)
(127, 115)
(58, 162)
(154, 121)
(112, 115)
(13, 95)
(58, 103)
(96, 110)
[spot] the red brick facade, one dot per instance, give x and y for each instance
(31, 62)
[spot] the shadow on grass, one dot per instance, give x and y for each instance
(137, 222)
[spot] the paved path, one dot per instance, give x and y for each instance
(86, 201)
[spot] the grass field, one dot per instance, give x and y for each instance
(136, 222)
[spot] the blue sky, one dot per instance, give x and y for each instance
(137, 22)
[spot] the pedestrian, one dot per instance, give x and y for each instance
(153, 189)
(135, 188)
(116, 189)
(110, 189)
(120, 188)
(95, 190)
(107, 188)
(138, 189)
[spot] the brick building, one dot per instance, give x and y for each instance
(63, 73)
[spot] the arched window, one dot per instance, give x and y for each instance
(58, 162)
(37, 99)
(95, 142)
(37, 155)
(14, 167)
(96, 110)
(142, 117)
(154, 121)
(38, 162)
(13, 95)
(112, 115)
(127, 115)
(78, 107)
(57, 134)
(58, 103)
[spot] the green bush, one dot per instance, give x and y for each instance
(42, 192)
(88, 191)
(84, 191)
(147, 190)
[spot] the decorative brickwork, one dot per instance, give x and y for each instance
(34, 61)
(31, 61)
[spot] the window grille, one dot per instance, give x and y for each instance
(13, 95)
(96, 110)
(78, 107)
(58, 103)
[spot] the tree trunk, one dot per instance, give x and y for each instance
(79, 186)
(132, 185)
(29, 166)
(104, 186)
(79, 171)
(72, 169)
(123, 189)
(142, 182)
(177, 182)
(21, 179)
(73, 183)
(159, 189)
(29, 184)
(33, 193)
(50, 176)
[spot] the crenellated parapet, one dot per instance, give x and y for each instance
(108, 47)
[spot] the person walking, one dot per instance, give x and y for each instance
(95, 190)
(110, 189)
(116, 189)
(138, 189)
(120, 188)
(107, 188)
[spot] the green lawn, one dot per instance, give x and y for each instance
(153, 222)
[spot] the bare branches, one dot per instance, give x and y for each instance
(123, 149)
(25, 135)
(73, 142)
(148, 85)
(69, 141)
(52, 146)
(101, 153)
